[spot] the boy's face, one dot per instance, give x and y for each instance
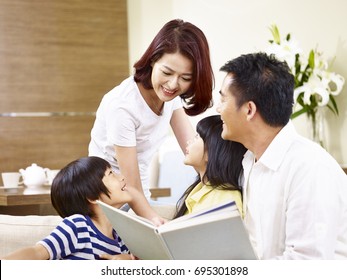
(116, 184)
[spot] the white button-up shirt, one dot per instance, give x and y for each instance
(295, 200)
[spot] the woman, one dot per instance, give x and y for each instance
(134, 117)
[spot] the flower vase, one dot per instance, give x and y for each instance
(317, 132)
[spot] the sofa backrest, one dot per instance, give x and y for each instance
(17, 232)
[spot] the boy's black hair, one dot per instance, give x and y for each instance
(77, 184)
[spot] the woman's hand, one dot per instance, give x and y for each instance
(157, 221)
(141, 207)
(118, 257)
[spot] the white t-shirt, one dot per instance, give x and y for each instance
(124, 119)
(295, 200)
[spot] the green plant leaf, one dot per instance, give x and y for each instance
(300, 99)
(298, 113)
(311, 59)
(333, 102)
(275, 34)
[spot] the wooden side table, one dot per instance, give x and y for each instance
(24, 201)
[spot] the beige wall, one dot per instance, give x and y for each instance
(234, 27)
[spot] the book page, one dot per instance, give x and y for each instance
(138, 234)
(198, 219)
(216, 239)
(225, 207)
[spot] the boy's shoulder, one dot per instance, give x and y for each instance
(75, 219)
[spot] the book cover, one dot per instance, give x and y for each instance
(215, 233)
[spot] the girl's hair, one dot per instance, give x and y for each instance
(224, 165)
(77, 184)
(190, 41)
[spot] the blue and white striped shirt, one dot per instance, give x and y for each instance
(77, 238)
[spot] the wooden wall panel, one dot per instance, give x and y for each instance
(56, 56)
(49, 142)
(59, 54)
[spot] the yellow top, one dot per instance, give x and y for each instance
(204, 196)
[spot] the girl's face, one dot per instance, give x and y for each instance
(116, 184)
(171, 76)
(196, 155)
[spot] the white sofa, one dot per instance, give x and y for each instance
(21, 231)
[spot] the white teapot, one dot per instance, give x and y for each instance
(34, 176)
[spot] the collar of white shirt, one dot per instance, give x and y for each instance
(276, 151)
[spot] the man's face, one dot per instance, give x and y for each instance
(229, 111)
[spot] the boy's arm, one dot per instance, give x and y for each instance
(36, 252)
(118, 257)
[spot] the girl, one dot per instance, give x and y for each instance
(133, 118)
(85, 232)
(218, 163)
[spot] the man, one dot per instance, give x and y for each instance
(294, 192)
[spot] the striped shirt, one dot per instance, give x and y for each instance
(77, 238)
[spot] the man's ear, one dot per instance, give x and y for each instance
(251, 110)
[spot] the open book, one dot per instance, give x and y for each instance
(216, 233)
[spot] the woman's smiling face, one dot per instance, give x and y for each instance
(171, 76)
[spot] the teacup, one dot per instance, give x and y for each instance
(51, 173)
(10, 179)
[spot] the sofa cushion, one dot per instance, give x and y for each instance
(22, 231)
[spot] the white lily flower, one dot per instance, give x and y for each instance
(313, 86)
(339, 82)
(333, 81)
(286, 51)
(313, 80)
(319, 62)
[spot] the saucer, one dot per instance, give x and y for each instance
(10, 188)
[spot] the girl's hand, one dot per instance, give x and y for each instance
(118, 257)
